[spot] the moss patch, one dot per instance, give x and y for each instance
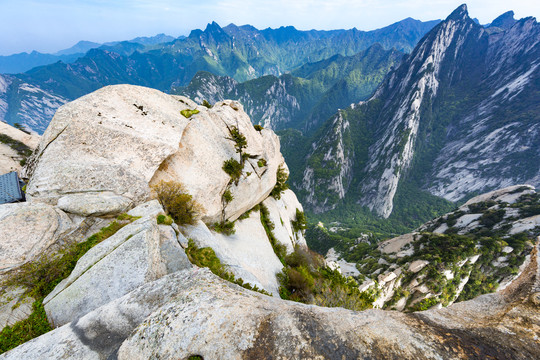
(187, 113)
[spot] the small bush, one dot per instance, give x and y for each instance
(176, 202)
(227, 196)
(188, 112)
(238, 138)
(300, 224)
(233, 168)
(248, 213)
(224, 227)
(279, 249)
(261, 163)
(164, 219)
(206, 104)
(258, 127)
(281, 185)
(492, 217)
(35, 325)
(127, 217)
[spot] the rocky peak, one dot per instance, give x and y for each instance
(420, 115)
(460, 13)
(504, 21)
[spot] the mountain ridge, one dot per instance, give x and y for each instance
(242, 55)
(414, 117)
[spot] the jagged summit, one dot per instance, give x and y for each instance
(460, 13)
(504, 21)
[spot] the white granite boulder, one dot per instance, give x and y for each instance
(94, 204)
(206, 144)
(282, 212)
(247, 253)
(27, 230)
(138, 253)
(112, 140)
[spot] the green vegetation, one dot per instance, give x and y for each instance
(20, 127)
(305, 279)
(248, 213)
(40, 277)
(224, 227)
(528, 205)
(258, 127)
(279, 249)
(206, 257)
(238, 138)
(164, 219)
(261, 163)
(281, 184)
(233, 168)
(227, 196)
(492, 217)
(187, 113)
(35, 325)
(206, 104)
(300, 223)
(425, 304)
(177, 202)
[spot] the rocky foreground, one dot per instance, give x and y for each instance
(136, 294)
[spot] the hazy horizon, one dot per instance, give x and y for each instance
(51, 25)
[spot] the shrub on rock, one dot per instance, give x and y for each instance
(177, 202)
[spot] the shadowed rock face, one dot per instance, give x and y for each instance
(193, 312)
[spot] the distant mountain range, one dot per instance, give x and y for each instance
(240, 52)
(22, 62)
(305, 97)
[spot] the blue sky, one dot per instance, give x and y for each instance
(52, 25)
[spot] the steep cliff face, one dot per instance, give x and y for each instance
(328, 173)
(457, 117)
(410, 87)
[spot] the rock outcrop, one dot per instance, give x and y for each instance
(129, 138)
(138, 253)
(27, 230)
(206, 144)
(112, 140)
(101, 156)
(481, 247)
(192, 312)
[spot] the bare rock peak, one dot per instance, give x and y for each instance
(459, 14)
(504, 21)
